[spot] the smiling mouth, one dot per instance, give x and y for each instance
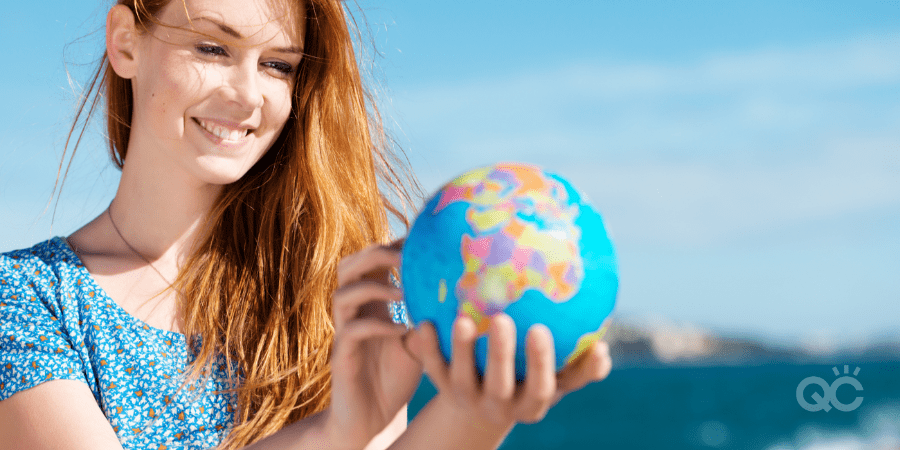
(223, 132)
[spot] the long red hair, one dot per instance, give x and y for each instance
(258, 287)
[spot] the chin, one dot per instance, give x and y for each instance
(221, 174)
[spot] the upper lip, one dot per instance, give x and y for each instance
(230, 125)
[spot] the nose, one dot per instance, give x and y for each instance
(242, 87)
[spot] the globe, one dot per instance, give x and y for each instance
(511, 238)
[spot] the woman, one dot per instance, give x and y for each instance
(236, 290)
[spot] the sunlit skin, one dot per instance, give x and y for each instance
(228, 66)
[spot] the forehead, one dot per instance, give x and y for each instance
(253, 20)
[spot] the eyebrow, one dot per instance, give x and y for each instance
(234, 33)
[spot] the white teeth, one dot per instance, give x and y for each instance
(222, 132)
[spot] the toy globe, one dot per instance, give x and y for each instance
(511, 238)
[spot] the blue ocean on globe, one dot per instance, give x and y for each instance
(511, 238)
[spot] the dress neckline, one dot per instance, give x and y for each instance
(66, 247)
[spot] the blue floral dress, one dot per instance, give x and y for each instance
(56, 323)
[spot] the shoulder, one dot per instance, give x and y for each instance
(42, 281)
(22, 268)
(49, 254)
(39, 329)
(38, 268)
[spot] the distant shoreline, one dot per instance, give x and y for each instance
(636, 344)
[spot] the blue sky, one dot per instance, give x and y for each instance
(746, 155)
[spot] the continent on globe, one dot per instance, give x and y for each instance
(511, 238)
(524, 238)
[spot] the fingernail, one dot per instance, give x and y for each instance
(540, 328)
(465, 326)
(466, 320)
(502, 320)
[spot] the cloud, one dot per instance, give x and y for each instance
(688, 153)
(865, 60)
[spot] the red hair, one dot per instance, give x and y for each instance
(258, 287)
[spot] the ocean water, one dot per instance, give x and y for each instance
(728, 408)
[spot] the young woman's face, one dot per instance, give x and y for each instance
(213, 85)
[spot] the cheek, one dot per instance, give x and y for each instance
(179, 82)
(278, 104)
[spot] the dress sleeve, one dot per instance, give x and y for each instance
(34, 345)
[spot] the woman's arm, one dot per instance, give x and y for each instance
(376, 366)
(373, 378)
(63, 414)
(438, 426)
(312, 432)
(390, 434)
(55, 414)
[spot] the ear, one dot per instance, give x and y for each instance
(122, 39)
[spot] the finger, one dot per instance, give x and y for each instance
(606, 363)
(540, 380)
(397, 245)
(355, 333)
(377, 309)
(500, 373)
(594, 365)
(424, 344)
(462, 368)
(374, 257)
(392, 275)
(348, 300)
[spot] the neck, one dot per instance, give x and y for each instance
(161, 213)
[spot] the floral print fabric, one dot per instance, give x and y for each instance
(57, 323)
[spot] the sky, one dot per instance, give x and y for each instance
(745, 155)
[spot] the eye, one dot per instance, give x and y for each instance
(212, 50)
(280, 66)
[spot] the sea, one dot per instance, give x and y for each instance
(724, 408)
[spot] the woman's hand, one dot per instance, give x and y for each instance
(373, 376)
(496, 403)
